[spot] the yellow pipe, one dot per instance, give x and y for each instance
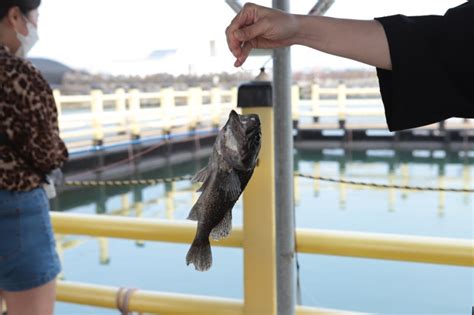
(383, 246)
(147, 301)
(445, 251)
(305, 310)
(134, 228)
(162, 303)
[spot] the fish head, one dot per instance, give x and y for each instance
(253, 134)
(240, 140)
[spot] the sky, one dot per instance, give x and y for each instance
(117, 36)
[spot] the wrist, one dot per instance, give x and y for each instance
(309, 32)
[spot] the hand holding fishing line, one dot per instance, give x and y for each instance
(259, 27)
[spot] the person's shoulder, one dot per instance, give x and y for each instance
(17, 66)
(22, 73)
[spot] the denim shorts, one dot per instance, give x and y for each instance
(28, 257)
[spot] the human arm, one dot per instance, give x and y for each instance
(31, 119)
(424, 63)
(260, 27)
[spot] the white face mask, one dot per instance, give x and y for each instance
(27, 42)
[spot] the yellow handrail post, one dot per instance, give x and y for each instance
(104, 250)
(259, 206)
(315, 101)
(442, 194)
(295, 103)
(97, 112)
(392, 194)
(297, 190)
(405, 179)
(195, 104)
(233, 97)
(342, 186)
(121, 109)
(466, 181)
(138, 206)
(125, 204)
(317, 173)
(167, 107)
(341, 104)
(216, 106)
(169, 202)
(134, 107)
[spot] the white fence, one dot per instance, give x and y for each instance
(99, 118)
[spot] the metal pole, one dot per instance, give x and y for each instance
(235, 5)
(285, 236)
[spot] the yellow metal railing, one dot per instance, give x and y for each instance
(445, 251)
(164, 303)
(260, 286)
(381, 246)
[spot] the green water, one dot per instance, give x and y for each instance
(364, 285)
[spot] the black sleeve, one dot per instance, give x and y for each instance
(432, 76)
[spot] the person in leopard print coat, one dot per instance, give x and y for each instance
(30, 148)
(29, 120)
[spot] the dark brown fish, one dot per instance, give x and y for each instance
(224, 179)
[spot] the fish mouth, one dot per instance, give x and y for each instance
(233, 115)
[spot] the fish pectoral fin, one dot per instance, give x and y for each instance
(231, 185)
(203, 186)
(224, 227)
(201, 175)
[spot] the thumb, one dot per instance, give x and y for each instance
(250, 32)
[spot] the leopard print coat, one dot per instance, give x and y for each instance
(29, 119)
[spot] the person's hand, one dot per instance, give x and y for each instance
(259, 27)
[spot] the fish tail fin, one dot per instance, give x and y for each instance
(200, 255)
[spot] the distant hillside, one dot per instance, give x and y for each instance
(53, 71)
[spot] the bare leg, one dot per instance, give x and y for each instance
(37, 301)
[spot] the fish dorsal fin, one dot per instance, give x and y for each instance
(231, 185)
(201, 175)
(224, 227)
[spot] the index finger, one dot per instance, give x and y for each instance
(243, 18)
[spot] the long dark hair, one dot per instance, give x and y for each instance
(25, 6)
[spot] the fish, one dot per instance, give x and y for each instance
(230, 167)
